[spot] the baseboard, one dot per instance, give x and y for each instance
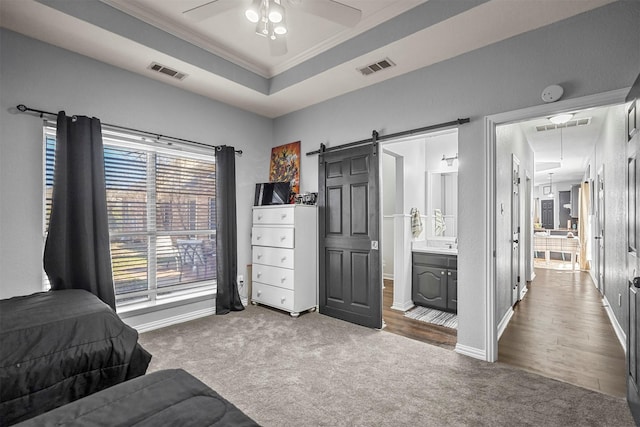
(403, 307)
(594, 280)
(174, 320)
(476, 353)
(505, 321)
(523, 292)
(622, 337)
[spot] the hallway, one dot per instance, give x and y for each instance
(561, 330)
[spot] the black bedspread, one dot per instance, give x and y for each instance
(59, 346)
(163, 398)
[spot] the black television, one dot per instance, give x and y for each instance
(272, 193)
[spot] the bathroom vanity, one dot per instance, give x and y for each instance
(435, 276)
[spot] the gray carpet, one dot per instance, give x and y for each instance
(319, 371)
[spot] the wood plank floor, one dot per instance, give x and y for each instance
(397, 323)
(561, 330)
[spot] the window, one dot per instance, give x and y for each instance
(161, 216)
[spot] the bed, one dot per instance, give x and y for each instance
(163, 398)
(59, 346)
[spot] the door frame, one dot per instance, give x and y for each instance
(600, 220)
(516, 236)
(490, 122)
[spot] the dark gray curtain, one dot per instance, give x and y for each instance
(76, 253)
(228, 298)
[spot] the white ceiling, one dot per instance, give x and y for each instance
(565, 157)
(230, 35)
(226, 61)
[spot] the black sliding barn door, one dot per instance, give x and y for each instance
(349, 223)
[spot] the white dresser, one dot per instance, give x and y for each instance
(284, 256)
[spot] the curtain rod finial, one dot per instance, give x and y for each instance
(22, 107)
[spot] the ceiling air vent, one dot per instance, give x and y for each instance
(376, 66)
(166, 70)
(570, 124)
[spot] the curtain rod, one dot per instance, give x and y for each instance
(24, 109)
(390, 136)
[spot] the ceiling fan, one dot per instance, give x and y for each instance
(269, 15)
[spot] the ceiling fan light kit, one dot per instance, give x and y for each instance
(269, 15)
(253, 12)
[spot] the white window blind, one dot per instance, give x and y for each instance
(161, 209)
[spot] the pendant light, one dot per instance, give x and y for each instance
(550, 194)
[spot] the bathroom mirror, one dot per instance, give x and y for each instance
(442, 203)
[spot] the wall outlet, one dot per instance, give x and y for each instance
(240, 279)
(619, 300)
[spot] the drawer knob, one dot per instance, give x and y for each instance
(442, 272)
(284, 258)
(259, 274)
(259, 293)
(282, 300)
(258, 237)
(284, 278)
(448, 273)
(283, 238)
(259, 256)
(284, 215)
(259, 217)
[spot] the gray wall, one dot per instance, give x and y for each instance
(510, 140)
(49, 78)
(590, 53)
(610, 151)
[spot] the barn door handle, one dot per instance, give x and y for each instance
(636, 282)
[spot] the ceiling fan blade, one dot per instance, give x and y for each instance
(278, 46)
(331, 10)
(209, 9)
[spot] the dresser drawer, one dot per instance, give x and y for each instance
(275, 216)
(279, 257)
(281, 277)
(281, 237)
(272, 295)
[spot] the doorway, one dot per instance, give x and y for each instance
(552, 221)
(410, 169)
(493, 313)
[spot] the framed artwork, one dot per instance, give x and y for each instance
(546, 189)
(285, 165)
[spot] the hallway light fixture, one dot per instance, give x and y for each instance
(449, 160)
(560, 119)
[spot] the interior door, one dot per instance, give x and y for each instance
(515, 230)
(546, 206)
(633, 258)
(600, 234)
(349, 224)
